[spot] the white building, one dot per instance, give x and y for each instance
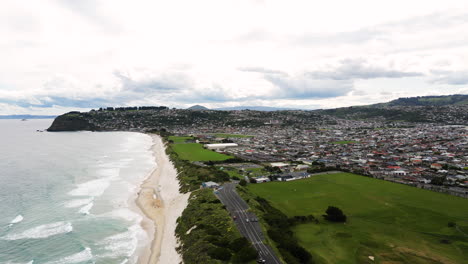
(220, 146)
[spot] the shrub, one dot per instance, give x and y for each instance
(220, 253)
(334, 214)
(242, 182)
(246, 254)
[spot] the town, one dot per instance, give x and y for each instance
(429, 155)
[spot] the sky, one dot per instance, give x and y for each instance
(62, 55)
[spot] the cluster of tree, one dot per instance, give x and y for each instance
(320, 168)
(208, 235)
(438, 180)
(273, 169)
(231, 160)
(130, 108)
(334, 214)
(279, 230)
(302, 219)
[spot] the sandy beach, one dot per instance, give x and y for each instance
(160, 200)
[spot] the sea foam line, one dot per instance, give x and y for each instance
(79, 257)
(42, 231)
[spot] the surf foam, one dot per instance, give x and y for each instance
(16, 220)
(85, 255)
(78, 202)
(42, 231)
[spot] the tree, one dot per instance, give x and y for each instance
(438, 180)
(246, 254)
(242, 182)
(334, 214)
(220, 253)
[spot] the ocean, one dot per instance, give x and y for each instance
(67, 197)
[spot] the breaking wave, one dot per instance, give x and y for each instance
(42, 231)
(79, 257)
(78, 202)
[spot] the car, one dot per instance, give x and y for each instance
(260, 260)
(247, 220)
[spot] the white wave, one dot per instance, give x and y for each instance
(123, 244)
(124, 213)
(91, 188)
(17, 219)
(41, 231)
(82, 256)
(78, 202)
(85, 209)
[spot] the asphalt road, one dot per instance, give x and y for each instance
(248, 228)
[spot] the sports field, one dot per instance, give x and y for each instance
(196, 152)
(391, 222)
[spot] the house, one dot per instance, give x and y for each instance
(262, 179)
(210, 184)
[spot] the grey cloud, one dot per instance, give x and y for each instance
(162, 84)
(452, 78)
(357, 69)
(306, 87)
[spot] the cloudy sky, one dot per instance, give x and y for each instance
(62, 55)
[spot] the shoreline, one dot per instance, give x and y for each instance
(160, 203)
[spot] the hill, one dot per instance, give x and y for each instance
(447, 109)
(456, 99)
(198, 107)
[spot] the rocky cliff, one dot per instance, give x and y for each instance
(71, 122)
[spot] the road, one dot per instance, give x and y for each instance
(248, 228)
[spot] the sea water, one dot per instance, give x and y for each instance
(66, 197)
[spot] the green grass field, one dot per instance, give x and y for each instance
(344, 142)
(178, 139)
(224, 135)
(392, 222)
(196, 152)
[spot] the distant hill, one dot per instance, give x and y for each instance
(27, 116)
(456, 99)
(255, 108)
(198, 107)
(434, 109)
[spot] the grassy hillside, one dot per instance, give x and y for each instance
(393, 223)
(456, 99)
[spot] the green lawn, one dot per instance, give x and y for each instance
(344, 142)
(178, 139)
(392, 222)
(196, 152)
(224, 135)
